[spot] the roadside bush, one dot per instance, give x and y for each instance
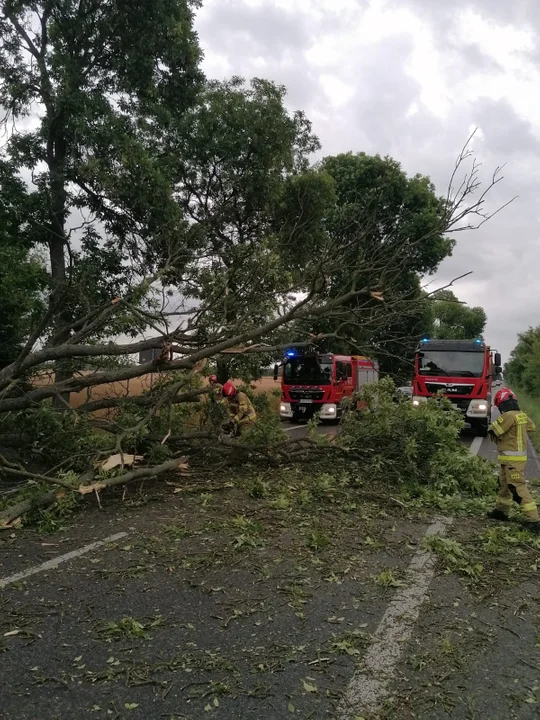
(268, 429)
(413, 446)
(54, 438)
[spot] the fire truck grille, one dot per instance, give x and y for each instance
(306, 394)
(461, 405)
(450, 389)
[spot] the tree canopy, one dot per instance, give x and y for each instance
(147, 208)
(454, 320)
(383, 218)
(523, 366)
(23, 277)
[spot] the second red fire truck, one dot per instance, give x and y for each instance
(314, 382)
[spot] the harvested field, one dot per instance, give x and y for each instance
(137, 387)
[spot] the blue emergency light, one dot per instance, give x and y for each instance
(425, 340)
(290, 353)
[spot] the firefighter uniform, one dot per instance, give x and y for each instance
(217, 392)
(214, 410)
(242, 412)
(511, 432)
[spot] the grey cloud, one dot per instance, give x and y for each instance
(502, 12)
(376, 117)
(384, 92)
(505, 252)
(504, 130)
(443, 18)
(245, 30)
(244, 34)
(464, 59)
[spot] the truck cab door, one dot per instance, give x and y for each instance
(349, 382)
(339, 382)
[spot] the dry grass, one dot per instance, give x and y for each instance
(136, 387)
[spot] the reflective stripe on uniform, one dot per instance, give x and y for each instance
(504, 502)
(528, 506)
(512, 456)
(521, 421)
(496, 429)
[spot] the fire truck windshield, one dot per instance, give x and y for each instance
(457, 364)
(307, 371)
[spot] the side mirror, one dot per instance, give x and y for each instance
(498, 361)
(276, 372)
(497, 370)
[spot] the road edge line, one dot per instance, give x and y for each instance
(369, 684)
(55, 562)
(476, 445)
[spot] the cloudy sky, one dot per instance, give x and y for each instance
(411, 78)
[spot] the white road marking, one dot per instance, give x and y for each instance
(295, 427)
(55, 562)
(476, 445)
(369, 685)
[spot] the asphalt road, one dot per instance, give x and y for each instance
(188, 616)
(301, 430)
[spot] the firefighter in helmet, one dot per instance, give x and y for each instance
(510, 432)
(241, 411)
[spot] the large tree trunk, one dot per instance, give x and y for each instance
(222, 371)
(57, 240)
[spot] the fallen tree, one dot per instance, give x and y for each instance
(182, 217)
(160, 424)
(389, 443)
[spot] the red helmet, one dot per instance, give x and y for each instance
(212, 379)
(229, 390)
(502, 395)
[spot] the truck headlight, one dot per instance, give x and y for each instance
(478, 408)
(328, 409)
(417, 399)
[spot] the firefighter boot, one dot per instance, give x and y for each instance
(533, 527)
(497, 514)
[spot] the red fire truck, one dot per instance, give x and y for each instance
(312, 383)
(464, 371)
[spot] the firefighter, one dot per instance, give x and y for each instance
(217, 389)
(509, 431)
(241, 411)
